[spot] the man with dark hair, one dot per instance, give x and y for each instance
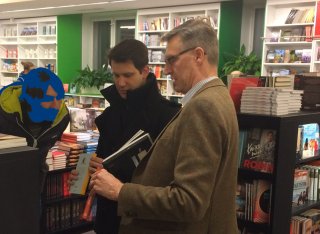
(187, 181)
(135, 103)
(35, 109)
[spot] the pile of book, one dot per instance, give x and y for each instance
(270, 101)
(72, 152)
(59, 159)
(74, 137)
(10, 141)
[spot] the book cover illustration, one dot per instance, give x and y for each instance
(309, 140)
(259, 150)
(300, 187)
(123, 162)
(262, 202)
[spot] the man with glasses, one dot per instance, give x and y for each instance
(187, 182)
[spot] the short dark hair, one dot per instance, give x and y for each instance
(130, 50)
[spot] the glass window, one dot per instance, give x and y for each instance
(124, 29)
(106, 34)
(101, 42)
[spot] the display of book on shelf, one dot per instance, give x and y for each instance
(253, 200)
(123, 162)
(258, 150)
(9, 141)
(308, 140)
(300, 187)
(297, 16)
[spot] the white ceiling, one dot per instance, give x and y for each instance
(35, 8)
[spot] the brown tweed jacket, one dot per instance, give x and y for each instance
(187, 182)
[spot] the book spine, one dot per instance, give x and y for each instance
(87, 208)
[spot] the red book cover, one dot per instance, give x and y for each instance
(237, 85)
(262, 202)
(317, 22)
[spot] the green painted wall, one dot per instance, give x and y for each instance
(229, 29)
(69, 46)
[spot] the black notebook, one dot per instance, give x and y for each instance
(123, 162)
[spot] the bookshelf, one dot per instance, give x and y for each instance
(61, 211)
(32, 39)
(288, 44)
(284, 165)
(153, 23)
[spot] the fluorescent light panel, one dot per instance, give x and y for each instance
(68, 6)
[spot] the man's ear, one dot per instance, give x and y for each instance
(145, 71)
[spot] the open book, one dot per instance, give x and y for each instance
(123, 162)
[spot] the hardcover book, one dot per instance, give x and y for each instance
(123, 162)
(262, 202)
(259, 150)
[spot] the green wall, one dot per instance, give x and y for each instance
(69, 46)
(229, 29)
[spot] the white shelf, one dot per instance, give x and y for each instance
(287, 64)
(84, 95)
(289, 25)
(276, 16)
(165, 19)
(35, 48)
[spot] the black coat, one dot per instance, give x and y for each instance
(144, 109)
(11, 122)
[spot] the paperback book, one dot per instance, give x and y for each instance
(123, 162)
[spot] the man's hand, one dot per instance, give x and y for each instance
(105, 184)
(95, 164)
(72, 177)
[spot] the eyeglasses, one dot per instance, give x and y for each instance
(171, 59)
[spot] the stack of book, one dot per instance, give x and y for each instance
(90, 146)
(59, 159)
(74, 137)
(72, 152)
(10, 141)
(295, 101)
(269, 101)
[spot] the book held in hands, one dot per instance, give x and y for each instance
(123, 162)
(80, 185)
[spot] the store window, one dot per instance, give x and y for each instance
(101, 42)
(253, 25)
(108, 33)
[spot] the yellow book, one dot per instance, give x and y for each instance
(80, 185)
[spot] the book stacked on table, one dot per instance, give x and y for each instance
(72, 151)
(74, 137)
(10, 141)
(270, 101)
(59, 159)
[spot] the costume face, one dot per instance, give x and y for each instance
(43, 91)
(180, 65)
(127, 77)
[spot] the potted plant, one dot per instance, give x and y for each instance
(246, 64)
(90, 81)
